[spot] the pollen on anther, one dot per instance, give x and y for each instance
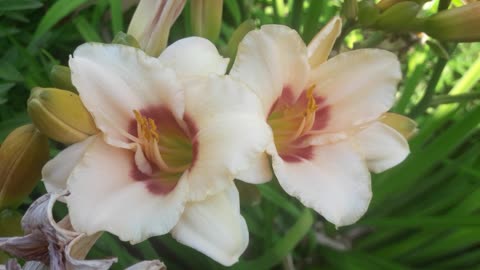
(146, 127)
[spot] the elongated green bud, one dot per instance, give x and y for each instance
(22, 156)
(400, 17)
(206, 18)
(385, 4)
(350, 9)
(460, 24)
(61, 77)
(368, 13)
(60, 115)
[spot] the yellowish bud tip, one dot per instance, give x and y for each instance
(22, 156)
(60, 115)
(402, 124)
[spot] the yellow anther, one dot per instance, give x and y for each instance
(147, 128)
(312, 103)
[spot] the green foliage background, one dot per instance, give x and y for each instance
(425, 212)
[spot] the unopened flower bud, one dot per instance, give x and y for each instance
(385, 4)
(402, 124)
(368, 13)
(399, 17)
(22, 156)
(152, 21)
(350, 9)
(460, 24)
(60, 76)
(206, 18)
(60, 115)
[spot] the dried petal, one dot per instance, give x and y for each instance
(54, 244)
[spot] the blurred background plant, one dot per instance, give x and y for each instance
(424, 213)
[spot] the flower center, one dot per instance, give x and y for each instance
(171, 150)
(168, 148)
(292, 121)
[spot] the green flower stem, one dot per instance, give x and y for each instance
(442, 113)
(446, 99)
(424, 103)
(283, 247)
(274, 197)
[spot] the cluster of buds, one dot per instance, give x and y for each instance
(459, 24)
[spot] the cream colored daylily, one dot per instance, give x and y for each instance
(173, 139)
(324, 115)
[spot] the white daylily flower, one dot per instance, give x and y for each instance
(324, 115)
(175, 133)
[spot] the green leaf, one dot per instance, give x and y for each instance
(283, 246)
(87, 30)
(56, 12)
(13, 5)
(7, 126)
(4, 88)
(117, 16)
(9, 72)
(234, 9)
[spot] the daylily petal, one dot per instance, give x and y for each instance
(114, 80)
(335, 182)
(231, 137)
(402, 124)
(194, 56)
(270, 60)
(214, 96)
(148, 265)
(105, 197)
(356, 87)
(215, 227)
(227, 147)
(56, 172)
(381, 146)
(321, 45)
